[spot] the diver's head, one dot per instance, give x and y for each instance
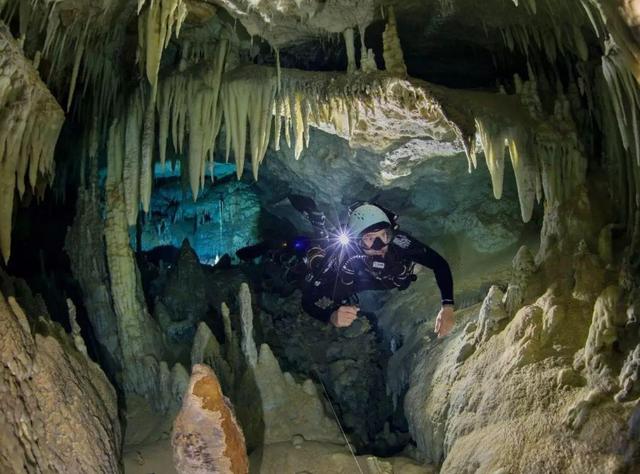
(372, 228)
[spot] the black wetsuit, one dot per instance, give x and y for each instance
(333, 280)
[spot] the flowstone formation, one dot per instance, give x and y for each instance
(59, 411)
(563, 362)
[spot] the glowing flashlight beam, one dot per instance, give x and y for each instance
(343, 239)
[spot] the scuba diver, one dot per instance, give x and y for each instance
(371, 253)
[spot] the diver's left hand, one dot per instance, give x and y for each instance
(445, 321)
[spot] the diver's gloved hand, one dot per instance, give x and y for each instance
(344, 316)
(445, 321)
(302, 204)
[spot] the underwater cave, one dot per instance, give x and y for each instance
(319, 236)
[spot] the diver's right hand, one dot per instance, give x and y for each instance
(344, 316)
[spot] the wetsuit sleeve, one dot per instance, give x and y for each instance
(427, 257)
(314, 307)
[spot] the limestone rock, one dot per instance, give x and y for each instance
(599, 357)
(315, 457)
(290, 21)
(206, 437)
(85, 247)
(469, 342)
(206, 350)
(492, 315)
(288, 408)
(570, 378)
(588, 273)
(453, 406)
(524, 336)
(523, 268)
(629, 379)
(58, 411)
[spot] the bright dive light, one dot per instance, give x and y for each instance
(343, 238)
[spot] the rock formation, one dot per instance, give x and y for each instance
(58, 410)
(30, 124)
(105, 105)
(206, 437)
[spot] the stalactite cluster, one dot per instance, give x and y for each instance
(156, 24)
(187, 106)
(615, 90)
(52, 29)
(194, 104)
(29, 126)
(546, 155)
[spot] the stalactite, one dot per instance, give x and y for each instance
(29, 129)
(204, 119)
(620, 118)
(80, 48)
(526, 172)
(245, 100)
(546, 155)
(309, 99)
(146, 151)
(155, 27)
(132, 156)
(493, 143)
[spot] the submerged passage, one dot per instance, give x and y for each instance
(319, 236)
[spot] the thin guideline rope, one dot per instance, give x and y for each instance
(335, 415)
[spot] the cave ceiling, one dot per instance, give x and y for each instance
(155, 78)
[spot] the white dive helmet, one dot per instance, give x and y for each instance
(365, 216)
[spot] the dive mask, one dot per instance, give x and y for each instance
(376, 240)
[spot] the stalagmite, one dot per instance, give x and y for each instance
(246, 316)
(29, 126)
(393, 57)
(78, 341)
(206, 436)
(351, 51)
